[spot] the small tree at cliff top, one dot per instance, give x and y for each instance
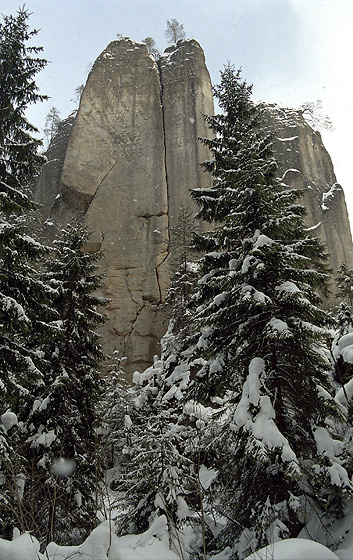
(174, 32)
(151, 47)
(52, 122)
(262, 334)
(312, 112)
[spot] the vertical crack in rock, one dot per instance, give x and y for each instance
(166, 181)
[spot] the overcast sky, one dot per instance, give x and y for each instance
(292, 51)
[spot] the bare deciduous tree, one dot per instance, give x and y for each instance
(312, 112)
(51, 124)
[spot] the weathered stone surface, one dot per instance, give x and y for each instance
(114, 172)
(131, 159)
(304, 163)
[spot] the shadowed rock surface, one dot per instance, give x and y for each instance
(126, 163)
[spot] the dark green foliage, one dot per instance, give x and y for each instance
(23, 311)
(344, 320)
(63, 420)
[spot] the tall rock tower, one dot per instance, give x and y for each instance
(126, 163)
(131, 158)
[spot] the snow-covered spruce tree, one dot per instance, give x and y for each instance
(20, 291)
(262, 334)
(62, 448)
(342, 353)
(23, 297)
(114, 417)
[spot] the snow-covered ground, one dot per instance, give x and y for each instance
(103, 544)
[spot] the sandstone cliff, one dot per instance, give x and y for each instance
(126, 163)
(131, 158)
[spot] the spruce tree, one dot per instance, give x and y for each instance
(157, 472)
(24, 309)
(63, 452)
(262, 333)
(160, 466)
(21, 292)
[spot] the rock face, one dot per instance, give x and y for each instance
(131, 158)
(304, 163)
(126, 163)
(187, 96)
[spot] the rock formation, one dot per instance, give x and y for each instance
(132, 157)
(126, 163)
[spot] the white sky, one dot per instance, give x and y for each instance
(291, 50)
